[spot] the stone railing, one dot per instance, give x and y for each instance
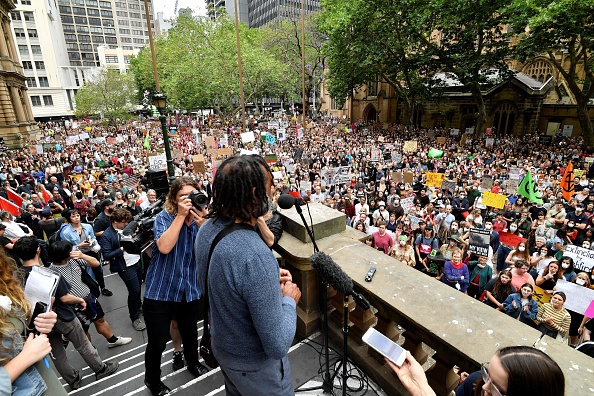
(407, 304)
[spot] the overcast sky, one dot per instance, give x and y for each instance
(167, 6)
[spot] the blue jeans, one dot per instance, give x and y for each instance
(273, 378)
(132, 278)
(502, 254)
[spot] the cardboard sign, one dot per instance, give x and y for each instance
(211, 146)
(583, 259)
(408, 177)
(407, 204)
(396, 176)
(479, 241)
(434, 179)
(449, 185)
(512, 185)
(225, 152)
(410, 146)
(305, 185)
(463, 140)
(514, 173)
(441, 140)
(487, 182)
(494, 200)
(198, 161)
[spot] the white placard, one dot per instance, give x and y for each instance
(578, 297)
(583, 259)
(158, 162)
(247, 137)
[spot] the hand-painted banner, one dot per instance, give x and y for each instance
(494, 200)
(583, 259)
(434, 179)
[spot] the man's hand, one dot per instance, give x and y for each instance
(199, 217)
(44, 322)
(291, 290)
(285, 276)
(183, 207)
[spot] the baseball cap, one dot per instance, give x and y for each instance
(105, 203)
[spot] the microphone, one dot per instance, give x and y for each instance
(130, 228)
(287, 201)
(334, 275)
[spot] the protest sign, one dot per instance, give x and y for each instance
(567, 130)
(540, 296)
(273, 125)
(514, 173)
(158, 161)
(408, 177)
(198, 161)
(211, 145)
(305, 185)
(434, 179)
(414, 222)
(247, 137)
(339, 175)
(375, 155)
(454, 132)
(512, 184)
(270, 158)
(269, 138)
(578, 297)
(448, 185)
(487, 182)
(583, 259)
(396, 176)
(441, 140)
(489, 142)
(407, 204)
(70, 140)
(431, 134)
(510, 239)
(590, 310)
(225, 152)
(494, 200)
(281, 134)
(396, 157)
(277, 175)
(410, 146)
(463, 140)
(479, 241)
(578, 172)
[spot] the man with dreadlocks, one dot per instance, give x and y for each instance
(171, 284)
(252, 303)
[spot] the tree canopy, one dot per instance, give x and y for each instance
(108, 93)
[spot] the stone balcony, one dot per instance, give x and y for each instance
(411, 308)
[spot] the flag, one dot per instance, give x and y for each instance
(9, 207)
(14, 197)
(435, 153)
(567, 186)
(45, 194)
(528, 189)
(147, 143)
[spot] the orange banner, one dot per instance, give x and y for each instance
(566, 185)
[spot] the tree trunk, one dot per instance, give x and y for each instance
(585, 122)
(481, 121)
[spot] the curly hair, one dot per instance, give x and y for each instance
(10, 287)
(240, 188)
(178, 184)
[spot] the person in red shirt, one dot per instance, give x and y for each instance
(382, 240)
(499, 224)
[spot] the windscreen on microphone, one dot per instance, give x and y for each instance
(286, 201)
(331, 272)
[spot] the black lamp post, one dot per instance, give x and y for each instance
(160, 102)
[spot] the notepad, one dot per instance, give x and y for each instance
(41, 286)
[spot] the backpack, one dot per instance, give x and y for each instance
(56, 236)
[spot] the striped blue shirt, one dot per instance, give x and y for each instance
(171, 276)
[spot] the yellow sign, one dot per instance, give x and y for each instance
(578, 172)
(88, 128)
(540, 296)
(494, 200)
(435, 179)
(410, 146)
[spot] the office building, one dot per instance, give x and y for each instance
(258, 13)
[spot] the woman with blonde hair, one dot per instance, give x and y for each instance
(23, 370)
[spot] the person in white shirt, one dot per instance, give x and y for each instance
(361, 205)
(319, 196)
(381, 214)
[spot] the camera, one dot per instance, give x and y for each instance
(199, 199)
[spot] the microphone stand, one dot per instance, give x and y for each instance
(327, 381)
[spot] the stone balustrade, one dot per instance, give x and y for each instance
(415, 310)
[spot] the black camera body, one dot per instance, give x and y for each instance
(199, 199)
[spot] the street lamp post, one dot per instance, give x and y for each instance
(160, 102)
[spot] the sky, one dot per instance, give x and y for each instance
(167, 6)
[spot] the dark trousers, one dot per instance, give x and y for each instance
(157, 317)
(502, 254)
(132, 277)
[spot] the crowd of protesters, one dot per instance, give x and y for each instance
(77, 174)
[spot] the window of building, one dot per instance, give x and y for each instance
(88, 56)
(15, 16)
(109, 31)
(108, 22)
(539, 70)
(19, 33)
(123, 22)
(78, 2)
(93, 11)
(82, 29)
(26, 2)
(98, 39)
(120, 4)
(27, 65)
(68, 28)
(126, 40)
(66, 2)
(86, 47)
(122, 13)
(111, 40)
(106, 14)
(39, 65)
(66, 18)
(65, 9)
(96, 30)
(138, 41)
(95, 21)
(86, 63)
(127, 47)
(111, 59)
(83, 38)
(31, 82)
(105, 4)
(73, 55)
(136, 23)
(48, 100)
(80, 20)
(35, 101)
(135, 15)
(133, 6)
(504, 119)
(124, 31)
(92, 3)
(28, 16)
(137, 32)
(43, 82)
(23, 50)
(32, 33)
(72, 46)
(70, 37)
(126, 59)
(78, 11)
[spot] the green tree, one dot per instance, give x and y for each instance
(563, 31)
(197, 64)
(108, 93)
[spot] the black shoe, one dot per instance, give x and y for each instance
(197, 370)
(178, 360)
(76, 383)
(158, 389)
(106, 292)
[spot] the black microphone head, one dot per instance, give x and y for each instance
(332, 273)
(286, 201)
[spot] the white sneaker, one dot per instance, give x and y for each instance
(120, 341)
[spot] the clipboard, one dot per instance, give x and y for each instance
(41, 286)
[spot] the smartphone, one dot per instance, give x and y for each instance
(385, 346)
(40, 307)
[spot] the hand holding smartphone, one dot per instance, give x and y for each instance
(385, 346)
